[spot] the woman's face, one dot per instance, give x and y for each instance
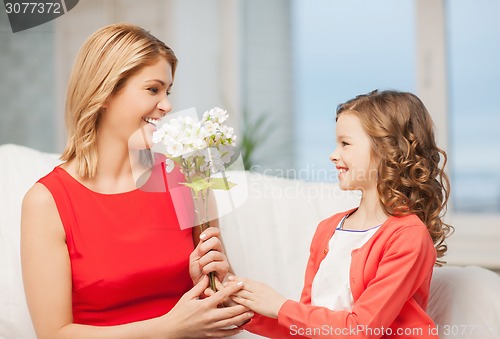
(353, 156)
(131, 114)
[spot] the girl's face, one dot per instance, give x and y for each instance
(132, 113)
(353, 156)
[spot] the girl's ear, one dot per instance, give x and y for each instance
(375, 159)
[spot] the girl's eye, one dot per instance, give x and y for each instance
(345, 143)
(168, 92)
(153, 90)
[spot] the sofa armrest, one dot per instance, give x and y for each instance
(21, 168)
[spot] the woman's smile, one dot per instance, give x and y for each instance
(152, 121)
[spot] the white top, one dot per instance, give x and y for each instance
(331, 287)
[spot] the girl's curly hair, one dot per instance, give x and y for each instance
(410, 180)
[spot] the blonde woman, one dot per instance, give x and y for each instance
(102, 258)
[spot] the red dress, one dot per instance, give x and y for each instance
(129, 257)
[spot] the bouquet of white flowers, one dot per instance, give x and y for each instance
(201, 149)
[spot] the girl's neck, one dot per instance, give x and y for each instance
(370, 213)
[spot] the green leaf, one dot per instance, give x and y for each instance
(221, 184)
(198, 185)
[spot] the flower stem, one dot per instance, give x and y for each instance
(203, 221)
(204, 224)
(211, 275)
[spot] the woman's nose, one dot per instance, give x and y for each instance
(164, 104)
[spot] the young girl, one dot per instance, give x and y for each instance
(370, 268)
(102, 258)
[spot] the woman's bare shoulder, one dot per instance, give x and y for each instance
(39, 210)
(38, 196)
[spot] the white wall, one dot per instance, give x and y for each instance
(26, 85)
(233, 54)
(477, 236)
(268, 81)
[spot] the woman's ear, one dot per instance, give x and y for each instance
(106, 102)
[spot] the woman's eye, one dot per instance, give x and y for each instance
(168, 92)
(153, 90)
(345, 143)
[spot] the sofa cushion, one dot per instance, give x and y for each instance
(21, 168)
(267, 238)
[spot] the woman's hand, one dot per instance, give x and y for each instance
(208, 256)
(199, 318)
(256, 296)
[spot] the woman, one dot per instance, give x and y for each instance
(102, 258)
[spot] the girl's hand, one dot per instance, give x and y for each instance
(256, 296)
(199, 318)
(208, 256)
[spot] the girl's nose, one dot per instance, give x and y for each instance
(334, 156)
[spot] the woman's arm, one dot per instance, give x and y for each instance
(47, 282)
(208, 256)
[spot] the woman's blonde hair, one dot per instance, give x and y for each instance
(410, 180)
(108, 58)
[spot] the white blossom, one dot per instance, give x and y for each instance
(158, 135)
(203, 146)
(209, 127)
(175, 149)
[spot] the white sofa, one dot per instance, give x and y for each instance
(267, 238)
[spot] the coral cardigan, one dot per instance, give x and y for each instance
(390, 281)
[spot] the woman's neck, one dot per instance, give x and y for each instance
(114, 167)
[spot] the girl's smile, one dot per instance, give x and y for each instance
(353, 156)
